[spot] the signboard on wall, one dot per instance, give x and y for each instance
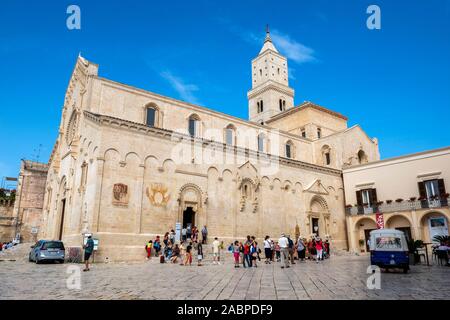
(380, 220)
(178, 231)
(437, 226)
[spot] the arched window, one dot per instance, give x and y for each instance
(289, 149)
(258, 107)
(261, 107)
(362, 157)
(230, 133)
(261, 142)
(319, 133)
(326, 155)
(194, 124)
(151, 117)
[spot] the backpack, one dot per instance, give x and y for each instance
(291, 243)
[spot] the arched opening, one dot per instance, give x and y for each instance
(362, 157)
(230, 135)
(326, 155)
(319, 217)
(261, 142)
(289, 149)
(401, 223)
(194, 125)
(433, 224)
(362, 233)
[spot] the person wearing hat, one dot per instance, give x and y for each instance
(284, 250)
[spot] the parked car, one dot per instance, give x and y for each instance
(47, 250)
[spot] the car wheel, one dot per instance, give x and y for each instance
(61, 261)
(405, 270)
(29, 258)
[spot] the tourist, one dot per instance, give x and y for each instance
(204, 234)
(319, 249)
(188, 257)
(189, 231)
(326, 249)
(221, 248)
(236, 253)
(166, 239)
(284, 251)
(157, 245)
(301, 249)
(291, 249)
(216, 249)
(148, 249)
(254, 252)
(168, 251)
(182, 252)
(277, 251)
(175, 254)
(247, 257)
(172, 236)
(88, 249)
(268, 249)
(184, 234)
(199, 254)
(194, 235)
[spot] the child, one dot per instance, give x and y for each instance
(188, 258)
(236, 253)
(199, 254)
(277, 252)
(148, 248)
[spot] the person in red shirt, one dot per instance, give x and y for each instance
(319, 249)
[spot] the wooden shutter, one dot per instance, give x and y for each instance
(359, 198)
(422, 191)
(441, 187)
(374, 196)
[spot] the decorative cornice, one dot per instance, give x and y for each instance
(270, 85)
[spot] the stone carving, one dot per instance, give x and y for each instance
(158, 194)
(120, 194)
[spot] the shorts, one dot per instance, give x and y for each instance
(87, 255)
(236, 257)
(268, 253)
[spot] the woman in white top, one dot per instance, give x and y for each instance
(268, 249)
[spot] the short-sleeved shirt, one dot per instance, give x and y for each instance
(216, 245)
(89, 246)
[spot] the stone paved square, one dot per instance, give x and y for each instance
(340, 277)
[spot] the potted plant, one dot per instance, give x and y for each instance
(388, 201)
(361, 244)
(379, 203)
(348, 206)
(412, 199)
(399, 200)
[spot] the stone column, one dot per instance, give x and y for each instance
(98, 195)
(140, 191)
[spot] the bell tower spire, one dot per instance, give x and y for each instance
(270, 93)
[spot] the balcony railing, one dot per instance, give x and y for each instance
(406, 205)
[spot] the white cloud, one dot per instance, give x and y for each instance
(294, 50)
(185, 90)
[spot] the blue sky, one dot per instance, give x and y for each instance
(394, 82)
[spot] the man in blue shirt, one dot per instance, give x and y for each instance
(88, 249)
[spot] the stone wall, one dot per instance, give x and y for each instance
(6, 220)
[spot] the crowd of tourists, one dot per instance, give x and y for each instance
(7, 245)
(247, 253)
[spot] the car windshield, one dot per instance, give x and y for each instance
(388, 243)
(53, 245)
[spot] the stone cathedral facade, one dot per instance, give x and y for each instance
(129, 164)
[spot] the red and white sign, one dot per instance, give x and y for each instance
(380, 220)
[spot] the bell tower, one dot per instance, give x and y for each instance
(270, 93)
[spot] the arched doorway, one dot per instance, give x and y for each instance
(400, 223)
(362, 233)
(190, 200)
(319, 217)
(432, 224)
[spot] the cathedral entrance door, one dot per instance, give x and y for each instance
(315, 226)
(188, 218)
